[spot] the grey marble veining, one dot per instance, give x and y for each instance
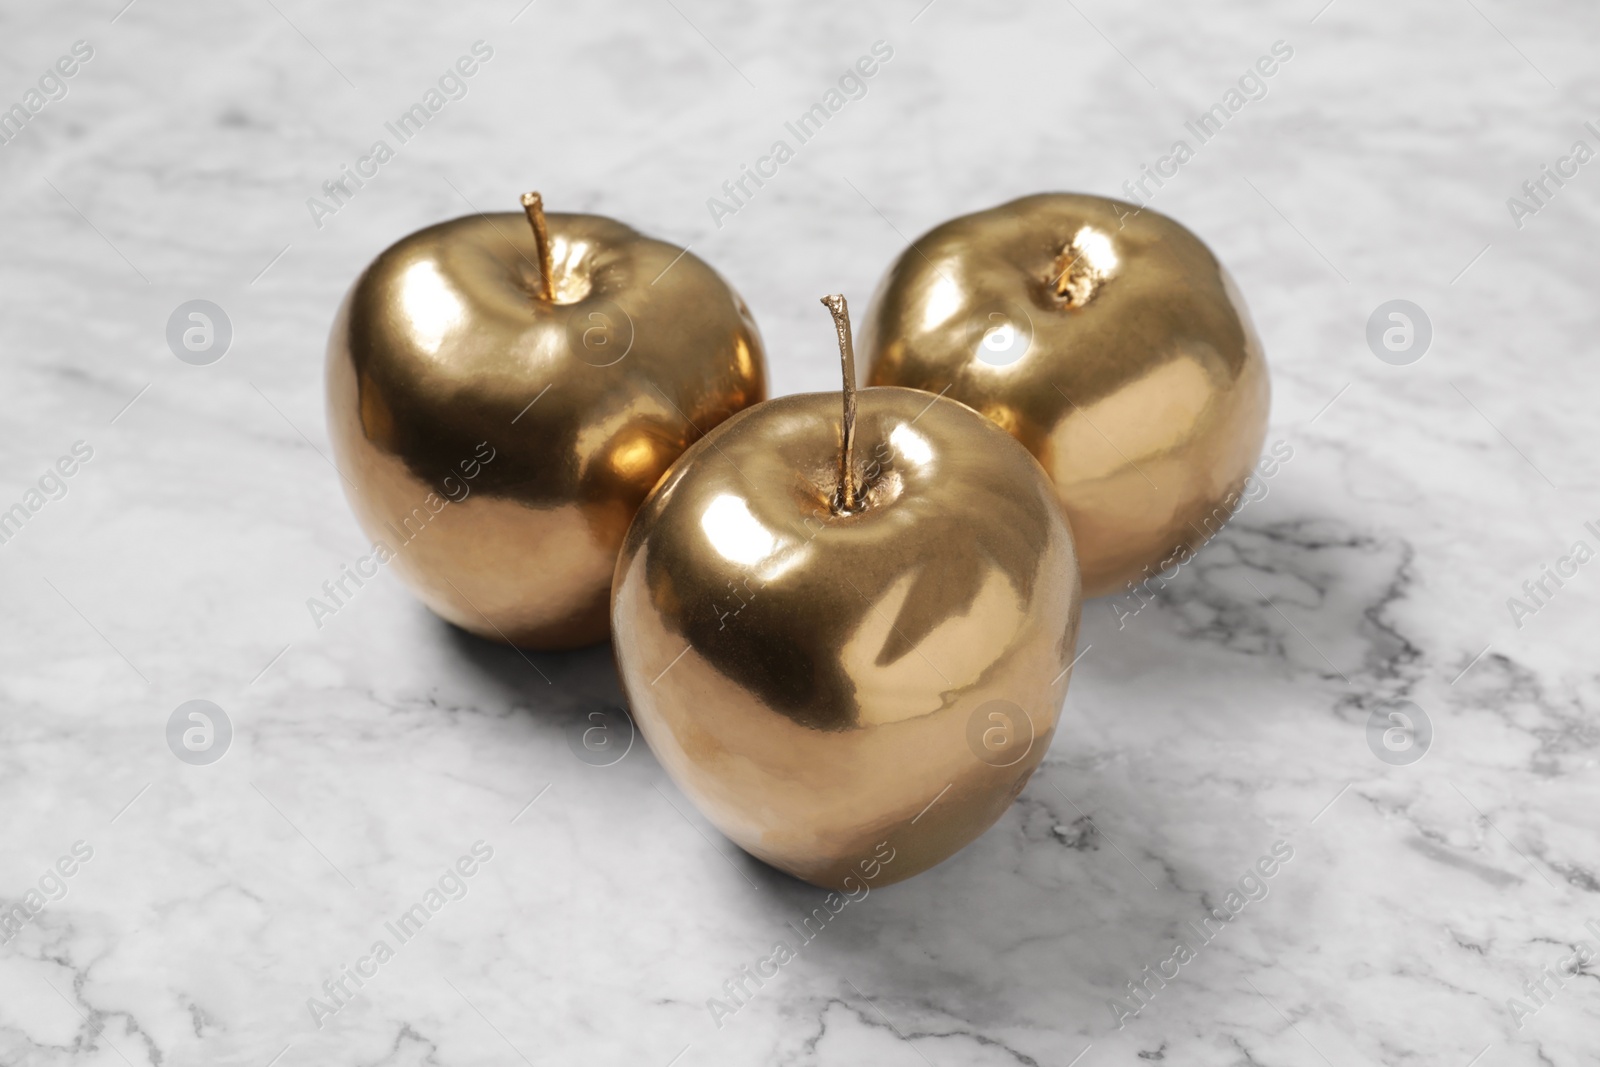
(1425, 913)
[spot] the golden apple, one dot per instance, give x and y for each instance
(846, 630)
(1109, 341)
(503, 391)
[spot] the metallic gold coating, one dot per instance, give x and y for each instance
(1110, 342)
(821, 682)
(445, 352)
(533, 207)
(839, 308)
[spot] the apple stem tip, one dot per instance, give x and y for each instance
(849, 496)
(533, 206)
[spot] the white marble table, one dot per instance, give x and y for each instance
(1420, 900)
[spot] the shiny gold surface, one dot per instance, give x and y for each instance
(1112, 344)
(822, 683)
(498, 442)
(849, 498)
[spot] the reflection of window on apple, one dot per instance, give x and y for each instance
(944, 300)
(431, 305)
(911, 445)
(737, 535)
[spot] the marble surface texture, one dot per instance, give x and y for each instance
(1422, 901)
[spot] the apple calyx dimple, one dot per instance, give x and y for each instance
(1087, 262)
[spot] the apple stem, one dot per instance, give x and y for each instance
(533, 204)
(849, 495)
